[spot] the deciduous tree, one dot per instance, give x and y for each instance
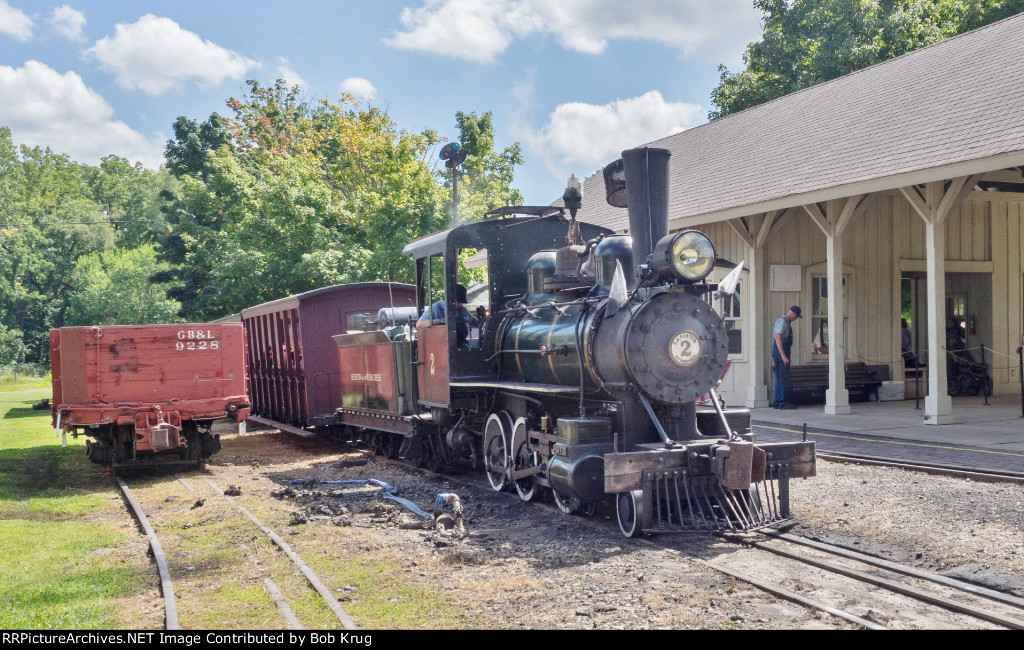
(806, 42)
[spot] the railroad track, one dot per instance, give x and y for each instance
(957, 470)
(217, 494)
(868, 590)
(990, 476)
(865, 590)
(979, 602)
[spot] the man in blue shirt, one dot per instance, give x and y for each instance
(782, 342)
(437, 314)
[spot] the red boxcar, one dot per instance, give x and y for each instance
(294, 374)
(144, 390)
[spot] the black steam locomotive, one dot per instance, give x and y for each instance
(582, 381)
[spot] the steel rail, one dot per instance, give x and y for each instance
(891, 585)
(899, 568)
(939, 470)
(774, 589)
(170, 603)
(282, 605)
(311, 577)
(777, 590)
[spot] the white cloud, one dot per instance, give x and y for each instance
(68, 22)
(156, 55)
(15, 22)
(478, 31)
(359, 87)
(582, 137)
(284, 70)
(48, 109)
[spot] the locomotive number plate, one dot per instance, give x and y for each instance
(685, 348)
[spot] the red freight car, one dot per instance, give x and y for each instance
(147, 390)
(293, 362)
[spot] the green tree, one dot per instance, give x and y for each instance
(488, 174)
(12, 349)
(53, 212)
(114, 288)
(186, 153)
(806, 42)
(305, 195)
(50, 219)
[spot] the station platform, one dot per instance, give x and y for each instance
(981, 438)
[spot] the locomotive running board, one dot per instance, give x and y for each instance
(676, 502)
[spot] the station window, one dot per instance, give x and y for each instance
(731, 309)
(819, 313)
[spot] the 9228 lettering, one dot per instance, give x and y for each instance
(189, 340)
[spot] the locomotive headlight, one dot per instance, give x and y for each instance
(688, 256)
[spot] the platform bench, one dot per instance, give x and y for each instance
(808, 383)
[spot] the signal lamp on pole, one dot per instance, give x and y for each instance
(453, 154)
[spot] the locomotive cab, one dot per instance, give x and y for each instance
(450, 369)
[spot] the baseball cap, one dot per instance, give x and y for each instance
(795, 310)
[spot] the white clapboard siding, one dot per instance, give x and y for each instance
(985, 235)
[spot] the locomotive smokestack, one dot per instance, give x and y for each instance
(646, 172)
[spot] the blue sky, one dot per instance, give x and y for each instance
(574, 81)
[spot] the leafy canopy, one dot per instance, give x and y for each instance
(806, 42)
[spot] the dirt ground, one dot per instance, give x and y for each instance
(521, 565)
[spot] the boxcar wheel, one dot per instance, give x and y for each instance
(630, 512)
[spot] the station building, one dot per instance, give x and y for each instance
(899, 187)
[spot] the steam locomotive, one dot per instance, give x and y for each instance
(583, 380)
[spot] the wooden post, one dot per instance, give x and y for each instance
(833, 221)
(933, 203)
(938, 406)
(837, 397)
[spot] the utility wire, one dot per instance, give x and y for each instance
(77, 223)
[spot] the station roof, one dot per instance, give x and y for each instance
(947, 110)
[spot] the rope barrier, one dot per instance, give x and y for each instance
(923, 354)
(999, 353)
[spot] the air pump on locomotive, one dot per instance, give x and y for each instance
(584, 380)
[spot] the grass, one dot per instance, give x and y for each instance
(62, 565)
(9, 383)
(384, 595)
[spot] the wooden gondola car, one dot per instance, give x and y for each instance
(143, 392)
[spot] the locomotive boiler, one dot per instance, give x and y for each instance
(583, 380)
